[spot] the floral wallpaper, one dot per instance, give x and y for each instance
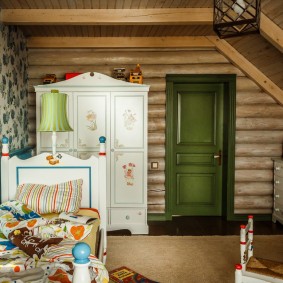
(13, 86)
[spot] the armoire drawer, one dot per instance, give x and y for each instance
(127, 215)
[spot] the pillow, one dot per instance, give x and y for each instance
(51, 199)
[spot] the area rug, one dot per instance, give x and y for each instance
(186, 259)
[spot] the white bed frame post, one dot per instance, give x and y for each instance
(103, 214)
(246, 248)
(246, 243)
(250, 235)
(81, 252)
(4, 163)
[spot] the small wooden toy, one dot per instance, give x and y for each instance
(136, 75)
(119, 74)
(49, 79)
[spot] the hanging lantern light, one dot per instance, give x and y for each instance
(236, 17)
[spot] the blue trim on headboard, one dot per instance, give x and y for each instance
(23, 153)
(62, 167)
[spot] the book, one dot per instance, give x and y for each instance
(83, 219)
(124, 274)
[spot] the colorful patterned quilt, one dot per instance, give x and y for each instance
(35, 249)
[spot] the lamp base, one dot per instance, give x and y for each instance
(54, 140)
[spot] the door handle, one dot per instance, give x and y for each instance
(219, 157)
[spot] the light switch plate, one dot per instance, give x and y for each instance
(154, 165)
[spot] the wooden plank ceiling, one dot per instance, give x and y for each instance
(151, 23)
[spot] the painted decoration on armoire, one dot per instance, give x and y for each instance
(129, 119)
(117, 144)
(13, 86)
(81, 144)
(91, 118)
(129, 173)
(66, 144)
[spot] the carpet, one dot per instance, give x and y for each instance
(186, 259)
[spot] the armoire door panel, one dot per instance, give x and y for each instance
(90, 120)
(128, 178)
(128, 121)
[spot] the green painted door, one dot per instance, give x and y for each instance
(197, 146)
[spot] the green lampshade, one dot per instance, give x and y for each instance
(54, 113)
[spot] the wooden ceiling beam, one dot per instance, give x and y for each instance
(164, 16)
(248, 68)
(272, 32)
(123, 42)
(160, 16)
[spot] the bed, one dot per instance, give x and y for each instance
(36, 243)
(253, 269)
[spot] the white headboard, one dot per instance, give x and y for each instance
(62, 168)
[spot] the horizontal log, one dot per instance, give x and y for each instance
(31, 112)
(154, 208)
(246, 202)
(253, 188)
(156, 138)
(259, 150)
(160, 161)
(246, 84)
(253, 163)
(32, 139)
(156, 177)
(252, 175)
(267, 136)
(34, 82)
(259, 123)
(156, 97)
(156, 84)
(253, 97)
(94, 57)
(156, 151)
(259, 111)
(156, 111)
(149, 70)
(156, 194)
(156, 124)
(156, 187)
(32, 125)
(156, 200)
(253, 211)
(31, 99)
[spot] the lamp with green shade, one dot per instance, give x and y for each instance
(54, 115)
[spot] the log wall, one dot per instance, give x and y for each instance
(259, 119)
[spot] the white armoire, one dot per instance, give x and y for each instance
(99, 105)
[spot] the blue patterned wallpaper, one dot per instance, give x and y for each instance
(13, 86)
